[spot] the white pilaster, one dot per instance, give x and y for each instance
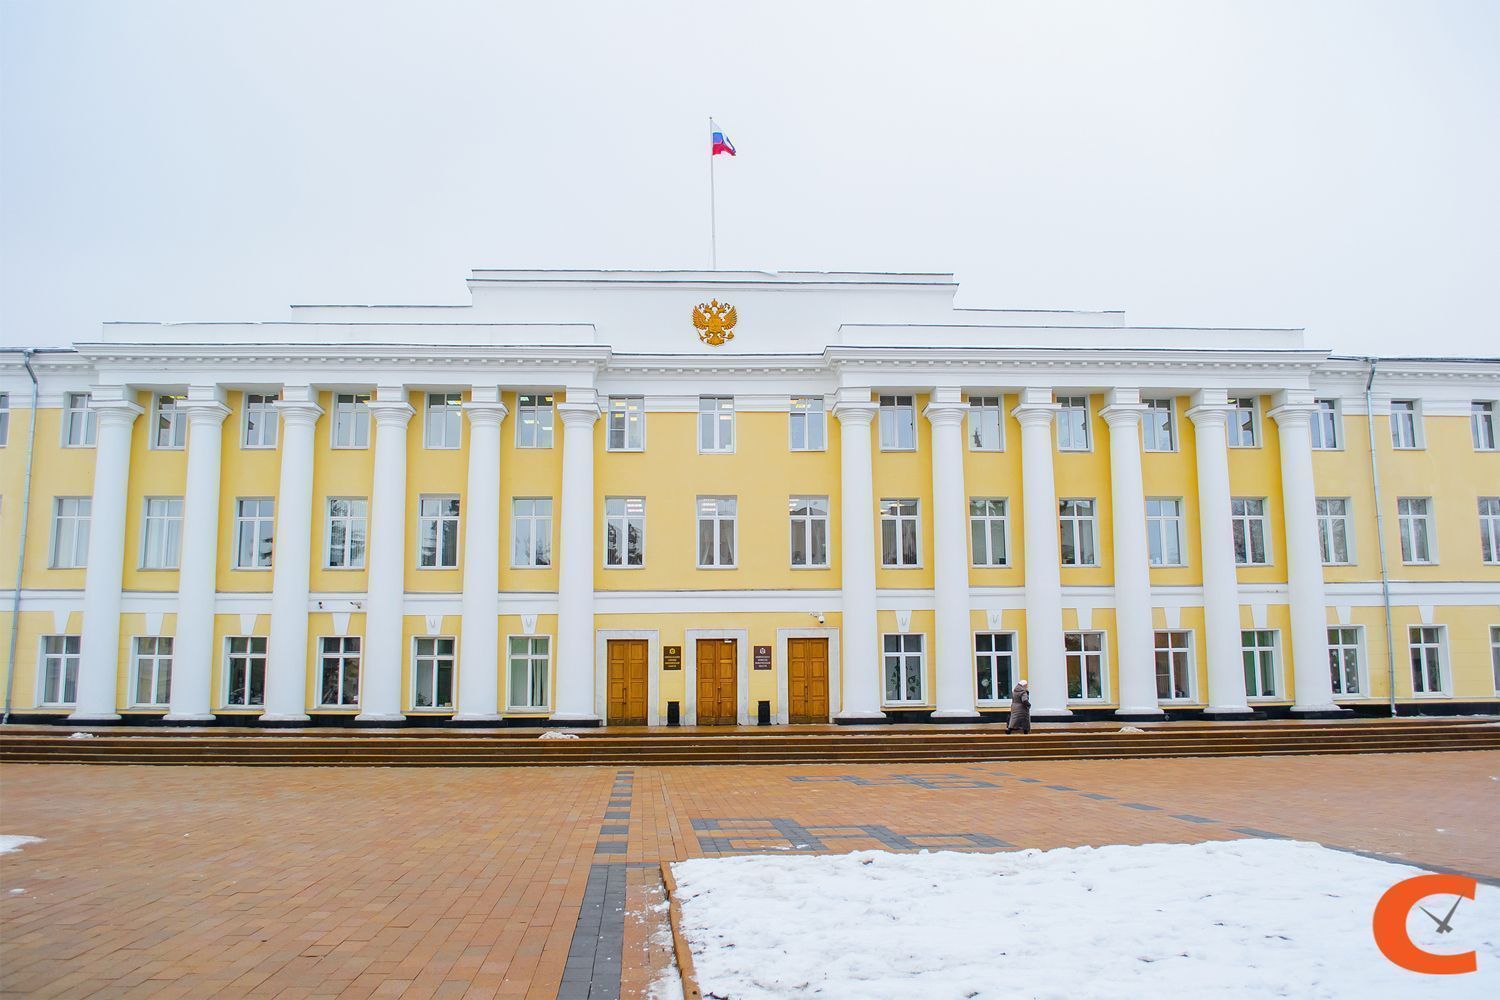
(860, 671)
(1135, 649)
(575, 569)
(191, 698)
(384, 646)
(99, 645)
(478, 652)
(1045, 670)
(286, 652)
(953, 653)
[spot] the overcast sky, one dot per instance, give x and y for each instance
(1333, 164)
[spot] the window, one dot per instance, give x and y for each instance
(1073, 423)
(1343, 659)
(1426, 659)
(79, 422)
(432, 672)
(625, 531)
(260, 421)
(716, 532)
(161, 541)
(1159, 428)
(987, 531)
(529, 656)
(60, 655)
(534, 421)
(1495, 653)
(254, 532)
(1164, 531)
(898, 423)
(1084, 652)
(1414, 518)
(1482, 424)
(807, 423)
(809, 531)
(995, 665)
(1326, 426)
(903, 667)
(1075, 521)
(171, 423)
(153, 670)
(443, 427)
(1174, 665)
(70, 532)
(1258, 648)
(4, 418)
(986, 425)
(437, 532)
(1489, 529)
(898, 533)
(1248, 516)
(1244, 427)
(338, 671)
(531, 531)
(346, 532)
(245, 671)
(1404, 426)
(1335, 530)
(627, 423)
(351, 420)
(716, 423)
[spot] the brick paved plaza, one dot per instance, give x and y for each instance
(538, 882)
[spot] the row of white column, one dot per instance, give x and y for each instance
(1135, 646)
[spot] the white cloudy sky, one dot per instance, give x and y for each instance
(1323, 163)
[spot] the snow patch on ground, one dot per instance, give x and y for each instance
(553, 734)
(1242, 918)
(10, 843)
(82, 736)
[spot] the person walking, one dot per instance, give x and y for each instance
(1020, 710)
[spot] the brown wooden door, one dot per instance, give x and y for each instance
(627, 682)
(717, 685)
(807, 680)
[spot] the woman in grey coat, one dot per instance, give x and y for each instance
(1020, 710)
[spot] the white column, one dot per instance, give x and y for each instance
(1304, 556)
(286, 653)
(1135, 649)
(575, 569)
(860, 670)
(1221, 588)
(478, 649)
(197, 581)
(953, 653)
(1045, 670)
(99, 645)
(384, 646)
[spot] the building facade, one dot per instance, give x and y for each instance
(731, 497)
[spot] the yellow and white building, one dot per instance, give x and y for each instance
(719, 497)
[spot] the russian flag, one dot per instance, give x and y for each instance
(721, 143)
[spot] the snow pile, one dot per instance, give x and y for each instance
(1243, 918)
(1131, 729)
(553, 734)
(10, 843)
(80, 736)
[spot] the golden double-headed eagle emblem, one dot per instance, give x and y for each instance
(715, 321)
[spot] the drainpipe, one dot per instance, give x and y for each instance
(15, 608)
(1385, 578)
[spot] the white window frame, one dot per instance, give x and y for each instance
(1274, 649)
(79, 416)
(1084, 656)
(1328, 522)
(1438, 647)
(1495, 654)
(355, 521)
(439, 521)
(983, 519)
(1482, 425)
(349, 430)
(158, 661)
(1489, 530)
(161, 533)
(898, 418)
(72, 521)
(1406, 425)
(168, 422)
(531, 533)
(1163, 526)
(806, 513)
(431, 662)
(894, 511)
(1327, 430)
(625, 416)
(254, 521)
(717, 511)
(1246, 523)
(1154, 427)
(986, 419)
(1073, 430)
(251, 657)
(442, 421)
(69, 656)
(259, 425)
(529, 659)
(990, 661)
(1340, 643)
(4, 419)
(809, 416)
(911, 653)
(346, 652)
(1409, 522)
(535, 419)
(620, 518)
(1172, 651)
(1239, 428)
(1081, 527)
(715, 425)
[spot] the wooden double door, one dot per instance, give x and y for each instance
(718, 682)
(626, 679)
(807, 680)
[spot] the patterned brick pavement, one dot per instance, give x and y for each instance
(542, 882)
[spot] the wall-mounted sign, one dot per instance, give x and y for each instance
(671, 657)
(762, 657)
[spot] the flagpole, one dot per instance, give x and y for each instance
(713, 208)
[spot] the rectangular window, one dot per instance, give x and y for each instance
(531, 531)
(715, 423)
(70, 532)
(1084, 652)
(245, 671)
(1327, 430)
(79, 421)
(347, 520)
(1482, 424)
(432, 672)
(1174, 665)
(529, 658)
(1159, 428)
(1414, 519)
(1427, 675)
(807, 424)
(1343, 659)
(534, 421)
(625, 531)
(437, 532)
(987, 532)
(1258, 648)
(254, 532)
(351, 420)
(903, 667)
(898, 533)
(1489, 529)
(1495, 653)
(1335, 530)
(1244, 423)
(994, 665)
(4, 418)
(1073, 423)
(171, 423)
(1248, 517)
(898, 423)
(716, 516)
(60, 655)
(809, 522)
(338, 671)
(626, 423)
(1164, 530)
(986, 424)
(260, 421)
(153, 670)
(1075, 522)
(161, 539)
(443, 423)
(1405, 429)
